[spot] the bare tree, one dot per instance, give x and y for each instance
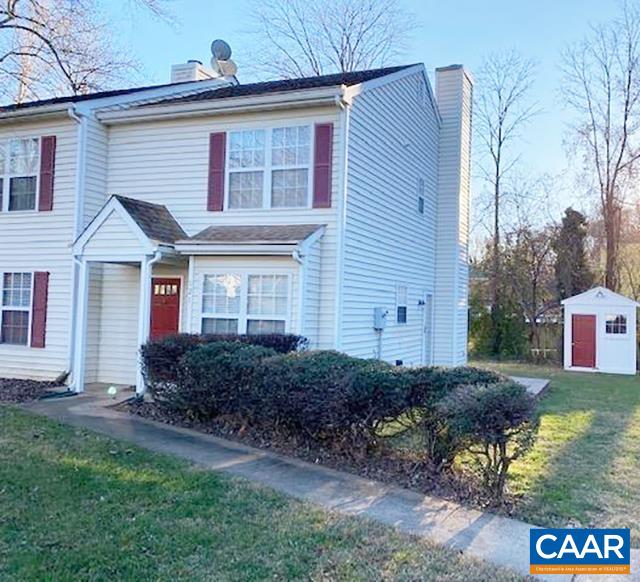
(502, 110)
(299, 37)
(529, 273)
(602, 85)
(49, 47)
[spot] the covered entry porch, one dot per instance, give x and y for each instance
(141, 276)
(131, 286)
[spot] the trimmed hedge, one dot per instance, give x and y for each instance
(344, 402)
(328, 395)
(161, 358)
(217, 378)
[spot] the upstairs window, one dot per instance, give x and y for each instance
(246, 169)
(19, 163)
(401, 304)
(15, 308)
(269, 168)
(616, 324)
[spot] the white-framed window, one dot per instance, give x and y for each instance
(269, 168)
(401, 304)
(251, 303)
(420, 195)
(15, 308)
(616, 324)
(19, 171)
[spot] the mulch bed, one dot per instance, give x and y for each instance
(396, 466)
(14, 390)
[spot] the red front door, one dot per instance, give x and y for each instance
(583, 347)
(165, 307)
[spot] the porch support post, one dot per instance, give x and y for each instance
(80, 337)
(144, 314)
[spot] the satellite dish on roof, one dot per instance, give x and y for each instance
(220, 50)
(224, 68)
(221, 61)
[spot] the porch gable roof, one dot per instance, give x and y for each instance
(154, 220)
(151, 224)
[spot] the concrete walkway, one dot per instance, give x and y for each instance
(535, 386)
(499, 540)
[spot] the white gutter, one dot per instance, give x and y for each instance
(135, 94)
(237, 249)
(284, 100)
(35, 111)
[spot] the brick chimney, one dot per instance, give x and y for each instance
(191, 71)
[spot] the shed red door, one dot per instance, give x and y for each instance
(165, 307)
(583, 346)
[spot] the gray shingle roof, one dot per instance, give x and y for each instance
(351, 78)
(155, 220)
(87, 97)
(280, 234)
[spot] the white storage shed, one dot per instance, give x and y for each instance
(600, 332)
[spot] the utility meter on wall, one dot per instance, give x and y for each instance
(380, 318)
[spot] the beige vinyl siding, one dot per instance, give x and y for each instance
(93, 323)
(115, 238)
(166, 162)
(392, 144)
(313, 291)
(454, 94)
(39, 241)
(112, 338)
(95, 183)
(119, 299)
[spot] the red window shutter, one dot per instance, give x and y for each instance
(322, 165)
(215, 197)
(39, 309)
(47, 170)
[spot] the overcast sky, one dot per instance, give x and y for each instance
(453, 31)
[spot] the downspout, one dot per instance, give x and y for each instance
(342, 219)
(77, 379)
(81, 120)
(298, 256)
(81, 139)
(190, 294)
(144, 322)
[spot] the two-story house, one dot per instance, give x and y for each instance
(335, 207)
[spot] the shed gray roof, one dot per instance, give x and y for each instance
(155, 220)
(279, 234)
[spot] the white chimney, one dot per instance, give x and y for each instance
(191, 71)
(454, 94)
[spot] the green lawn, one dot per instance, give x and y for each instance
(75, 505)
(585, 467)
